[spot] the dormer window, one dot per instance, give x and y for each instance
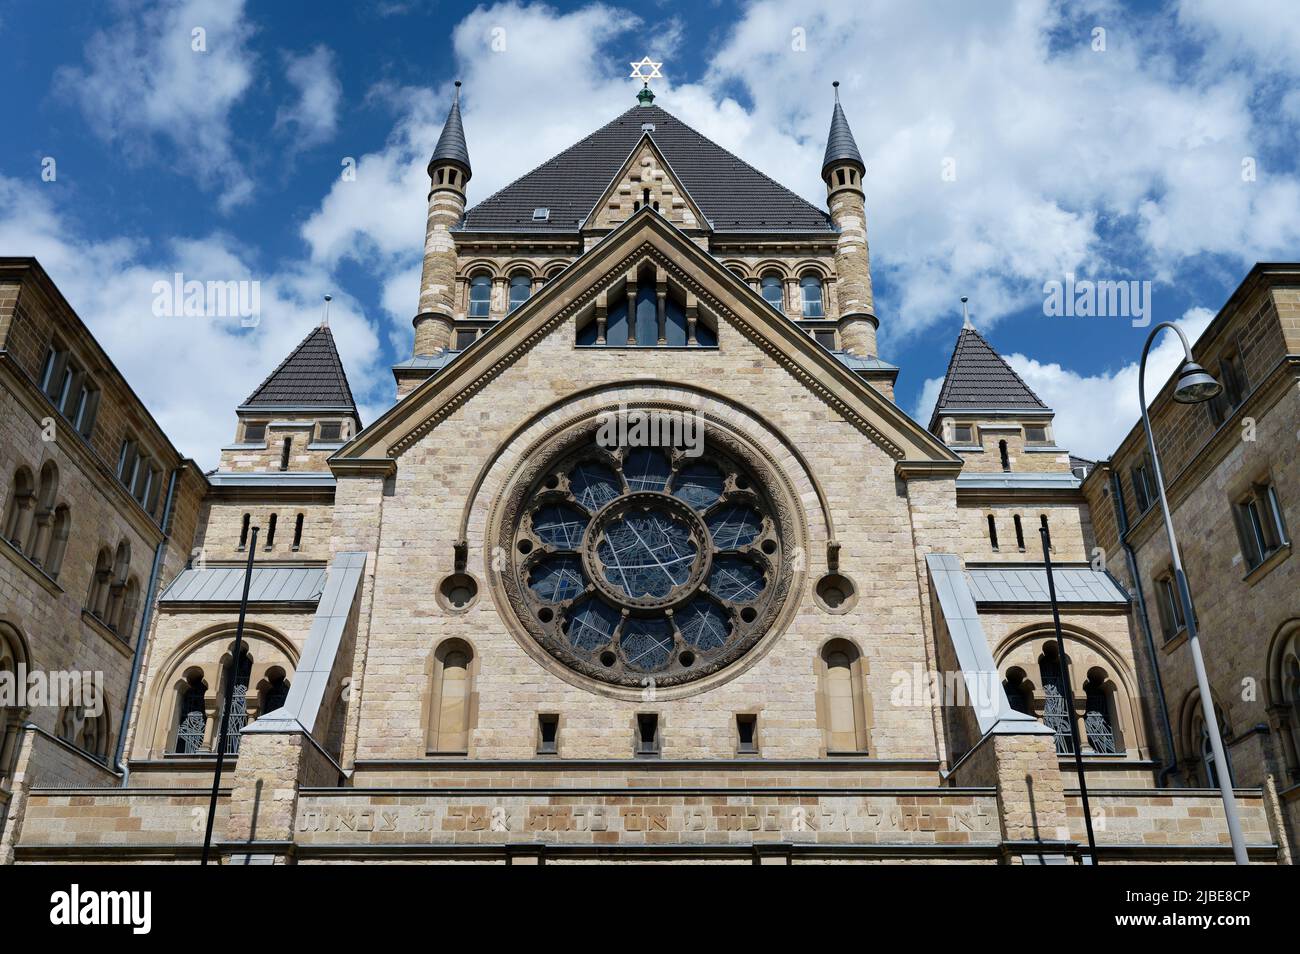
(541, 214)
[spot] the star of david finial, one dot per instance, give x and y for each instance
(639, 70)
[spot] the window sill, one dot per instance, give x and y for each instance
(25, 563)
(104, 630)
(1173, 642)
(1267, 566)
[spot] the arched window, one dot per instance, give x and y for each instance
(810, 286)
(12, 655)
(1058, 707)
(770, 287)
(451, 702)
(480, 295)
(88, 733)
(100, 580)
(117, 588)
(521, 287)
(843, 705)
(191, 713)
(20, 508)
(238, 712)
(1099, 715)
(130, 602)
(1018, 691)
(273, 691)
(1209, 767)
(42, 525)
(58, 541)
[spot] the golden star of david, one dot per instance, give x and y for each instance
(638, 70)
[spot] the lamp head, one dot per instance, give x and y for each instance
(1195, 385)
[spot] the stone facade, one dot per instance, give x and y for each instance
(402, 710)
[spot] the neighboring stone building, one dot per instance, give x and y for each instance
(645, 564)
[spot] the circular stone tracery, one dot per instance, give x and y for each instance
(633, 564)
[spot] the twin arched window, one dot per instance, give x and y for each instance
(1058, 706)
(35, 522)
(114, 591)
(88, 733)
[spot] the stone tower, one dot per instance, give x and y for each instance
(842, 171)
(449, 172)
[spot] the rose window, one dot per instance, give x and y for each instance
(634, 564)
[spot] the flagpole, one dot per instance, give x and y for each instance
(1064, 667)
(230, 695)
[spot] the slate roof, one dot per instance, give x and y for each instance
(979, 379)
(225, 584)
(451, 144)
(312, 376)
(840, 145)
(734, 196)
(1016, 584)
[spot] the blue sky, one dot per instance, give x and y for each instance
(1007, 145)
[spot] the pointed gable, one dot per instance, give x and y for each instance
(646, 175)
(311, 377)
(732, 195)
(978, 379)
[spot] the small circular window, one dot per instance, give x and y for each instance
(633, 564)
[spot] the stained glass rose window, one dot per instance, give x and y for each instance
(640, 564)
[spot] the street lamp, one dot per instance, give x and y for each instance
(1193, 386)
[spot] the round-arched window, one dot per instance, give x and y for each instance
(810, 285)
(480, 295)
(521, 286)
(635, 564)
(770, 286)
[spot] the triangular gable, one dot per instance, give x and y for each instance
(647, 236)
(645, 178)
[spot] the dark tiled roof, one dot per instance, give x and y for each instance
(734, 196)
(979, 379)
(451, 144)
(312, 375)
(840, 145)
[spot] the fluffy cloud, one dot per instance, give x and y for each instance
(1093, 411)
(314, 117)
(145, 83)
(191, 372)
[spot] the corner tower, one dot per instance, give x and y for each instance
(842, 171)
(449, 173)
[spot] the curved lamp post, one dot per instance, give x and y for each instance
(1194, 386)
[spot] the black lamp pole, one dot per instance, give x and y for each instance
(1064, 669)
(230, 695)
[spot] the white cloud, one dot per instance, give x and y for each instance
(144, 82)
(190, 372)
(314, 117)
(1094, 412)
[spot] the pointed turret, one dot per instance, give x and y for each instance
(842, 170)
(300, 414)
(449, 172)
(989, 415)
